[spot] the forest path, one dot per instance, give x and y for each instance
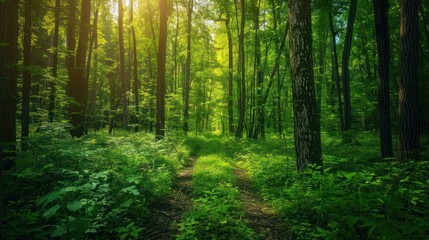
(262, 218)
(166, 214)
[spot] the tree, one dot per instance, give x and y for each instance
(242, 73)
(381, 9)
(52, 93)
(77, 87)
(345, 65)
(162, 47)
(135, 64)
(124, 82)
(8, 87)
(306, 119)
(187, 68)
(230, 72)
(408, 123)
(26, 84)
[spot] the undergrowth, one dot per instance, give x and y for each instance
(216, 213)
(357, 196)
(96, 186)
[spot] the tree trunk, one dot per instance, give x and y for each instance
(52, 93)
(187, 68)
(408, 120)
(26, 84)
(78, 86)
(93, 90)
(345, 65)
(8, 89)
(242, 73)
(124, 82)
(230, 74)
(135, 67)
(162, 45)
(306, 120)
(335, 72)
(381, 9)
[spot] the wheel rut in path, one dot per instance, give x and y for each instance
(165, 214)
(262, 218)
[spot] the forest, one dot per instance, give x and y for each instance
(214, 119)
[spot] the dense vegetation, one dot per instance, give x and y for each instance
(314, 110)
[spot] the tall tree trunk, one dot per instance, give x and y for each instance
(335, 72)
(52, 93)
(408, 121)
(162, 49)
(8, 89)
(26, 84)
(381, 9)
(306, 119)
(78, 86)
(260, 113)
(345, 65)
(136, 86)
(71, 42)
(187, 68)
(230, 73)
(242, 73)
(93, 90)
(124, 82)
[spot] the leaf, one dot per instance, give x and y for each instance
(74, 205)
(127, 203)
(51, 211)
(59, 231)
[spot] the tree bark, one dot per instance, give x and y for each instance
(408, 121)
(187, 69)
(335, 72)
(26, 82)
(306, 120)
(78, 86)
(381, 9)
(135, 67)
(242, 74)
(8, 89)
(124, 82)
(230, 73)
(52, 93)
(162, 47)
(345, 65)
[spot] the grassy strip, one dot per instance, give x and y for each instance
(98, 186)
(216, 213)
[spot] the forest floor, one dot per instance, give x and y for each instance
(165, 215)
(262, 218)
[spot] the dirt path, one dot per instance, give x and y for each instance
(262, 218)
(166, 214)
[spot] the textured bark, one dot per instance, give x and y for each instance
(52, 86)
(26, 83)
(124, 81)
(230, 74)
(381, 9)
(136, 86)
(345, 65)
(187, 68)
(306, 120)
(335, 72)
(8, 89)
(242, 74)
(408, 122)
(71, 41)
(78, 86)
(93, 89)
(162, 47)
(8, 81)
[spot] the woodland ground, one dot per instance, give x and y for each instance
(210, 187)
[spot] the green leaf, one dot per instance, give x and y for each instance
(51, 211)
(74, 205)
(59, 231)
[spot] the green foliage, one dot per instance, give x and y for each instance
(216, 213)
(355, 197)
(98, 185)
